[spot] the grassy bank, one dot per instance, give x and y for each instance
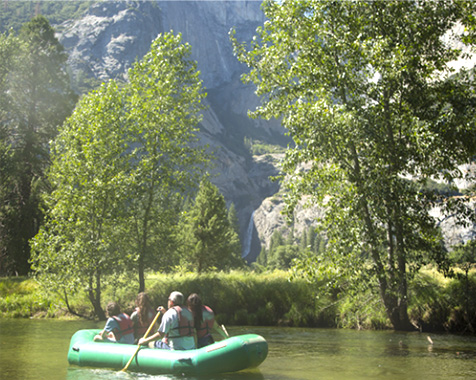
(22, 297)
(238, 298)
(269, 299)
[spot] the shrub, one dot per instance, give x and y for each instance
(267, 299)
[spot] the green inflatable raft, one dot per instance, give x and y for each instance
(229, 355)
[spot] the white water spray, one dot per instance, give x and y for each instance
(248, 237)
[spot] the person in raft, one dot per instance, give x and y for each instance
(176, 328)
(204, 321)
(119, 327)
(143, 315)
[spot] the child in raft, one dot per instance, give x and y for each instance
(143, 315)
(119, 327)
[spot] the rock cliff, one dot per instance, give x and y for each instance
(111, 35)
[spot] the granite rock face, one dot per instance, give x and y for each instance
(107, 40)
(112, 35)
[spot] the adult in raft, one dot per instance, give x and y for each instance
(204, 321)
(143, 315)
(176, 328)
(119, 327)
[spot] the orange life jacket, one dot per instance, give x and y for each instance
(141, 328)
(125, 325)
(208, 320)
(185, 325)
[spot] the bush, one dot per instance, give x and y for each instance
(240, 298)
(268, 299)
(443, 304)
(21, 298)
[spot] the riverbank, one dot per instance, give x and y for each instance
(266, 299)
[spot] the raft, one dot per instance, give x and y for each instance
(229, 355)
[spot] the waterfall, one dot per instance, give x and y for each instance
(248, 237)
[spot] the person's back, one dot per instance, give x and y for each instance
(204, 330)
(141, 325)
(123, 330)
(119, 327)
(179, 322)
(203, 321)
(143, 316)
(176, 329)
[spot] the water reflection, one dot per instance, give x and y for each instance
(37, 349)
(76, 373)
(349, 354)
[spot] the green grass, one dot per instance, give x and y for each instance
(267, 299)
(238, 298)
(23, 297)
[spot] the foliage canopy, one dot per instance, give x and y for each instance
(35, 98)
(118, 166)
(367, 93)
(208, 238)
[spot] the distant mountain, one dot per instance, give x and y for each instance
(14, 13)
(105, 38)
(109, 36)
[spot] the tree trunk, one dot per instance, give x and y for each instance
(145, 237)
(143, 249)
(397, 312)
(141, 273)
(395, 300)
(94, 294)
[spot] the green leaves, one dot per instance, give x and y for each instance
(35, 98)
(362, 88)
(208, 239)
(118, 167)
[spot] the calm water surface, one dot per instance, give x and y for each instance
(37, 349)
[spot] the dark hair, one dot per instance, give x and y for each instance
(144, 305)
(194, 303)
(113, 308)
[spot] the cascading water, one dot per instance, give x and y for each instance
(248, 237)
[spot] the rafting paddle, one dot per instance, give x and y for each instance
(224, 329)
(145, 336)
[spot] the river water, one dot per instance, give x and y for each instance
(37, 349)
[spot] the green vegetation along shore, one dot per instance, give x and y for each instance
(267, 299)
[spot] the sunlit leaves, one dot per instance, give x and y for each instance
(364, 91)
(119, 165)
(207, 239)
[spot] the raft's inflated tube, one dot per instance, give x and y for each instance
(229, 355)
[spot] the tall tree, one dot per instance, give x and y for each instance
(35, 99)
(9, 48)
(165, 96)
(207, 239)
(235, 225)
(119, 165)
(82, 241)
(365, 90)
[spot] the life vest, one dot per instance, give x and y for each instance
(207, 323)
(125, 325)
(141, 328)
(185, 325)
